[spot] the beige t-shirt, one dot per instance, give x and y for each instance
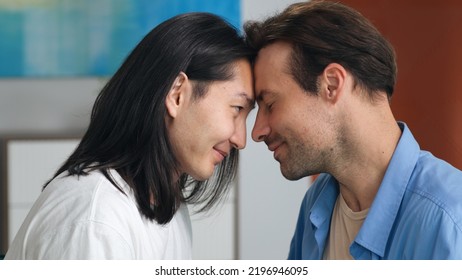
(344, 227)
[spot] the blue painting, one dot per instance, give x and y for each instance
(63, 38)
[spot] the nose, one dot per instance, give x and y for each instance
(261, 128)
(238, 139)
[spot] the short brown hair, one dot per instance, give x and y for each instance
(323, 32)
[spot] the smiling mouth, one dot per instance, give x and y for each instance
(273, 148)
(221, 153)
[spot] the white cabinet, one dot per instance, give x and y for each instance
(28, 165)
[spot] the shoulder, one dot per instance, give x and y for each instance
(85, 191)
(79, 200)
(436, 186)
(76, 212)
(436, 179)
(436, 170)
(97, 198)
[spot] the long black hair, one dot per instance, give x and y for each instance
(127, 130)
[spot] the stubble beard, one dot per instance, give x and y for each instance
(302, 161)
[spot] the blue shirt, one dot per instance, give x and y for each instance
(416, 214)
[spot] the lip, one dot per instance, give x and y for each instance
(222, 154)
(274, 148)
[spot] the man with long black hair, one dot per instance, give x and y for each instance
(164, 131)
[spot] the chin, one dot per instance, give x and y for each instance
(202, 176)
(291, 174)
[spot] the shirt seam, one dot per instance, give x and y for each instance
(440, 204)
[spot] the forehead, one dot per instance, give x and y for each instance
(239, 86)
(271, 66)
(276, 54)
(243, 78)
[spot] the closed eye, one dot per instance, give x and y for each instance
(266, 99)
(238, 108)
(269, 106)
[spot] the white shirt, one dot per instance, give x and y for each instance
(86, 217)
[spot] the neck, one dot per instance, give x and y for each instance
(372, 140)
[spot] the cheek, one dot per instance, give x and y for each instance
(217, 126)
(225, 129)
(292, 123)
(281, 118)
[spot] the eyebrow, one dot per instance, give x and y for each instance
(250, 101)
(263, 93)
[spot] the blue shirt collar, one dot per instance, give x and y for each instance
(321, 211)
(374, 233)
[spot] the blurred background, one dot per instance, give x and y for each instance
(55, 56)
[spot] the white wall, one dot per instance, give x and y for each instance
(265, 205)
(268, 204)
(46, 106)
(259, 9)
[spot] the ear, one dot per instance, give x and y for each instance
(177, 95)
(333, 81)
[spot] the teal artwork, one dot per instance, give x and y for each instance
(65, 38)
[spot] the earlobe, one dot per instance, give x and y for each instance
(176, 96)
(333, 81)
